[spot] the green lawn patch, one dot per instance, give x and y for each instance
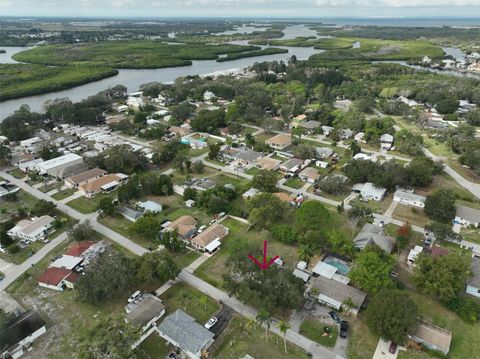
(411, 215)
(64, 194)
(154, 347)
(240, 339)
(314, 329)
(184, 297)
(88, 205)
(17, 173)
(294, 182)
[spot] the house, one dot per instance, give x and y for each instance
(186, 226)
(336, 294)
(327, 130)
(203, 184)
(467, 216)
(208, 95)
(105, 183)
(190, 203)
(324, 152)
(6, 188)
(33, 230)
(363, 156)
(252, 192)
(311, 125)
(291, 166)
(302, 274)
(22, 333)
(144, 311)
(321, 164)
(432, 337)
(411, 199)
(32, 144)
(78, 248)
(210, 239)
(58, 279)
(67, 262)
(280, 141)
(297, 121)
(329, 271)
(134, 102)
(181, 330)
(180, 131)
(150, 206)
(267, 163)
(130, 214)
(342, 104)
(369, 191)
(309, 175)
(56, 165)
(359, 137)
(84, 177)
(473, 283)
(386, 141)
(372, 234)
(247, 157)
(72, 170)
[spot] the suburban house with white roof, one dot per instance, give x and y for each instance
(386, 141)
(467, 216)
(33, 230)
(369, 191)
(408, 198)
(55, 166)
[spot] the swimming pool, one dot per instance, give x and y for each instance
(342, 266)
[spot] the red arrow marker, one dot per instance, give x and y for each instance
(264, 265)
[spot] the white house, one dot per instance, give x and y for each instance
(467, 216)
(32, 230)
(411, 199)
(413, 254)
(208, 96)
(363, 156)
(55, 166)
(386, 141)
(369, 191)
(23, 331)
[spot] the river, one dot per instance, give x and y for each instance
(132, 79)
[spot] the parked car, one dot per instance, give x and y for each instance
(202, 228)
(335, 316)
(211, 322)
(343, 329)
(393, 348)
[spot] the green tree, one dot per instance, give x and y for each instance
(264, 318)
(444, 276)
(313, 216)
(213, 150)
(82, 232)
(440, 205)
(284, 233)
(371, 269)
(157, 268)
(266, 210)
(172, 242)
(107, 206)
(392, 315)
(147, 227)
(42, 208)
(265, 181)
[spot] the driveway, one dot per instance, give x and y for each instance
(224, 316)
(382, 350)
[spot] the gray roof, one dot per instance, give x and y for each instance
(184, 331)
(474, 280)
(292, 162)
(301, 274)
(372, 234)
(21, 327)
(386, 137)
(338, 291)
(73, 170)
(144, 309)
(130, 213)
(471, 214)
(248, 156)
(410, 196)
(324, 151)
(311, 124)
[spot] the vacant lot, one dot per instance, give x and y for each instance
(241, 338)
(411, 215)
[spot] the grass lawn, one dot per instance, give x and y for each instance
(215, 162)
(445, 181)
(182, 296)
(24, 254)
(471, 234)
(411, 215)
(314, 330)
(88, 205)
(212, 270)
(184, 259)
(154, 347)
(362, 343)
(294, 182)
(64, 194)
(49, 187)
(17, 173)
(9, 208)
(375, 206)
(240, 339)
(252, 171)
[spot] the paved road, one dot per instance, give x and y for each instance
(473, 188)
(317, 351)
(15, 271)
(92, 217)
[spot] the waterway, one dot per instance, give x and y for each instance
(133, 78)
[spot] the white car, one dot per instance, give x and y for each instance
(211, 322)
(202, 228)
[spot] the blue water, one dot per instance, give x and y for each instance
(407, 21)
(342, 268)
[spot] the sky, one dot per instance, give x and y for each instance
(242, 8)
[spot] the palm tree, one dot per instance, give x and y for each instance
(251, 323)
(305, 252)
(348, 304)
(284, 326)
(264, 318)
